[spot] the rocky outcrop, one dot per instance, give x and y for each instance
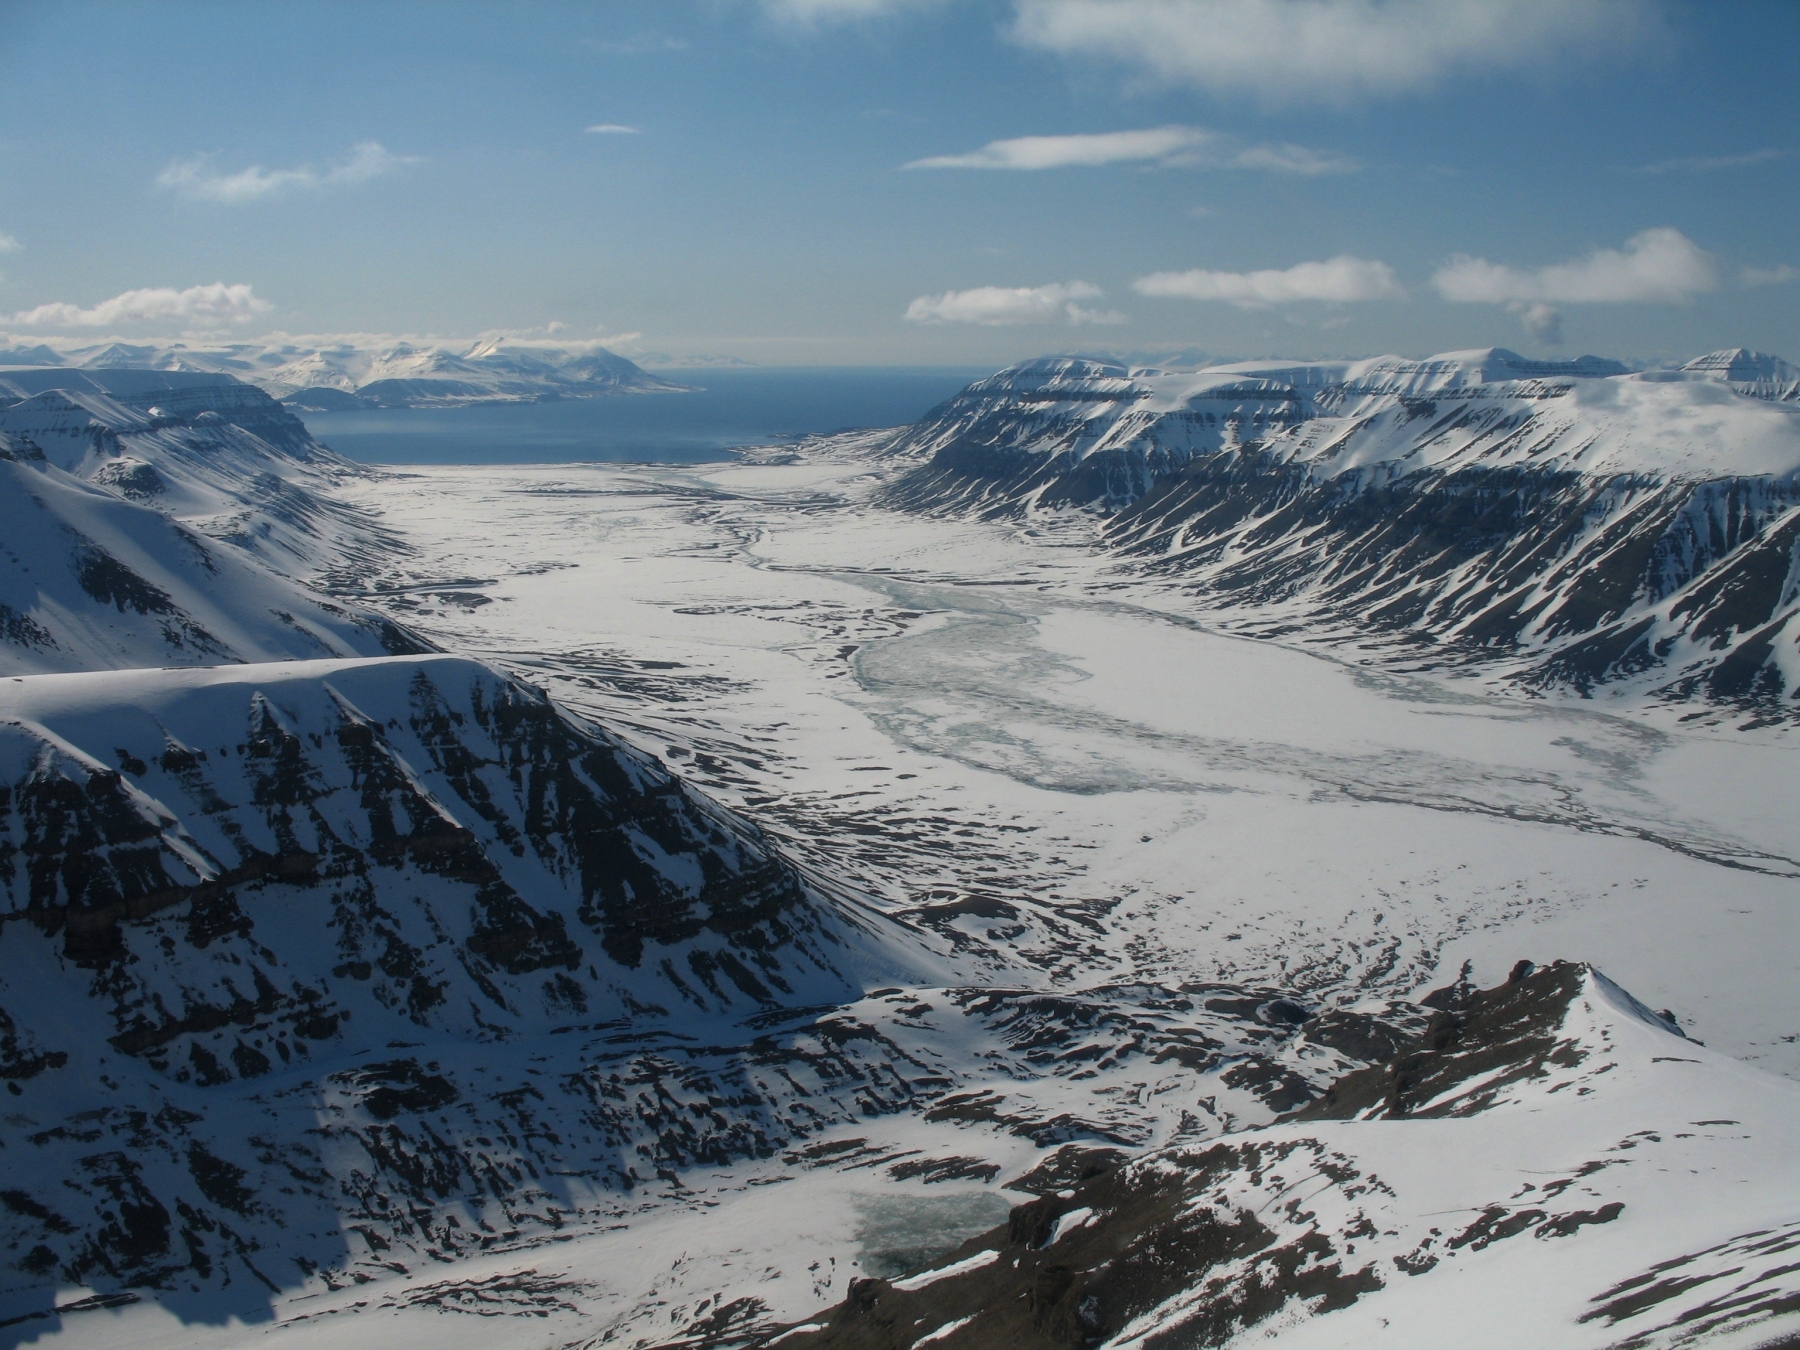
(1508, 1130)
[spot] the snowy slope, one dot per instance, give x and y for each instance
(89, 581)
(1589, 527)
(220, 456)
(1552, 1166)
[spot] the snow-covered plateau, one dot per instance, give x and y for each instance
(1021, 880)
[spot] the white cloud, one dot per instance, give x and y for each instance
(202, 306)
(613, 129)
(1658, 265)
(1341, 279)
(1543, 322)
(9, 245)
(1163, 145)
(1329, 51)
(1779, 275)
(1169, 147)
(994, 305)
(1290, 158)
(196, 177)
(811, 13)
(1707, 163)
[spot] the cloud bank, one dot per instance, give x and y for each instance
(1658, 266)
(195, 178)
(1343, 278)
(997, 305)
(204, 306)
(1166, 147)
(1329, 51)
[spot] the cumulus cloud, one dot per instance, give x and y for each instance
(1330, 51)
(1660, 265)
(200, 306)
(197, 178)
(1707, 163)
(811, 13)
(1543, 322)
(1343, 278)
(612, 129)
(1779, 275)
(995, 305)
(1169, 147)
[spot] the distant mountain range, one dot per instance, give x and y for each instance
(1589, 527)
(341, 375)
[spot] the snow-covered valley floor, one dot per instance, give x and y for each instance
(1076, 781)
(927, 710)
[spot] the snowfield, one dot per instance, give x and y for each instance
(1035, 956)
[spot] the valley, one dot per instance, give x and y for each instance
(871, 868)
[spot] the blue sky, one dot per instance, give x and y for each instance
(1303, 177)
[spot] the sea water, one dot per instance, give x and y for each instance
(723, 409)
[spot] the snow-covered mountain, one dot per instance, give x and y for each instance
(1550, 1164)
(287, 943)
(1594, 528)
(91, 581)
(217, 454)
(337, 374)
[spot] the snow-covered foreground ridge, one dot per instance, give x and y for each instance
(336, 373)
(280, 938)
(1550, 1164)
(1590, 527)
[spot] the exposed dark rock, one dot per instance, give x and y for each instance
(1072, 1270)
(1491, 1039)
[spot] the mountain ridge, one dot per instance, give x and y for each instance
(1582, 528)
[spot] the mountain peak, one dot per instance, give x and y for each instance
(1742, 365)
